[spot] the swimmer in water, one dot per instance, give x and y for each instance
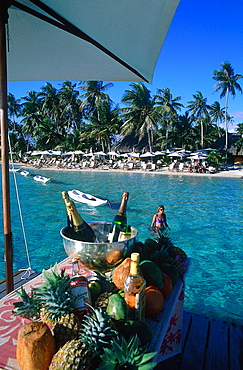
(159, 222)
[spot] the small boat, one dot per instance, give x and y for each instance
(24, 173)
(14, 169)
(89, 199)
(41, 178)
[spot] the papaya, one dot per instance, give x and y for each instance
(171, 271)
(117, 307)
(152, 274)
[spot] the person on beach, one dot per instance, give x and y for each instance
(159, 222)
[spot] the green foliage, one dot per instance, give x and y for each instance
(215, 159)
(30, 305)
(123, 355)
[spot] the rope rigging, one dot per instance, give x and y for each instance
(29, 270)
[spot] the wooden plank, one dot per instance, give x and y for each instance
(217, 354)
(21, 277)
(194, 350)
(186, 323)
(236, 347)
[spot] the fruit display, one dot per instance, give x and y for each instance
(104, 337)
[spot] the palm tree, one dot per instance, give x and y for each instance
(227, 83)
(140, 116)
(46, 135)
(70, 105)
(14, 109)
(93, 96)
(199, 109)
(185, 135)
(50, 103)
(168, 107)
(106, 125)
(217, 114)
(31, 112)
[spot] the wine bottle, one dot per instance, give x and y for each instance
(134, 291)
(120, 220)
(79, 229)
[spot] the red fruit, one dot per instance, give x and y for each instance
(168, 286)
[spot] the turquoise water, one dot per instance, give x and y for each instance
(205, 215)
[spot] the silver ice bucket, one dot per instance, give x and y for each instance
(102, 256)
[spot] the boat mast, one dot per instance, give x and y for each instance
(4, 5)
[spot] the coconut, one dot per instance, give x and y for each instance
(121, 273)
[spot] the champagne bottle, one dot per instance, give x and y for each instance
(134, 291)
(69, 229)
(78, 229)
(66, 199)
(120, 220)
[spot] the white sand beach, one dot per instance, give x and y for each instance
(237, 173)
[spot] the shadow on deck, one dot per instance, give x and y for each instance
(207, 344)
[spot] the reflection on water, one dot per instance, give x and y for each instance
(205, 215)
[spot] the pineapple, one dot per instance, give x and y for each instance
(105, 282)
(84, 351)
(58, 305)
(102, 300)
(123, 355)
(29, 307)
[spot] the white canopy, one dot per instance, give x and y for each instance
(147, 154)
(132, 32)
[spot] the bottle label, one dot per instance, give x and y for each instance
(136, 305)
(79, 287)
(139, 310)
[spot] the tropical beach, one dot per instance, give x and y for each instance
(204, 213)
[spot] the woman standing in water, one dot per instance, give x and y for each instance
(159, 222)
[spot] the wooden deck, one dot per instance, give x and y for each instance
(19, 278)
(207, 344)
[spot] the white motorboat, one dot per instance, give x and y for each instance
(89, 199)
(24, 173)
(41, 178)
(14, 169)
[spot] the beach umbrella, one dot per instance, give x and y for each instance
(198, 156)
(133, 155)
(176, 154)
(147, 154)
(113, 153)
(100, 154)
(162, 152)
(74, 40)
(78, 152)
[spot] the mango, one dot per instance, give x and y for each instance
(151, 273)
(117, 307)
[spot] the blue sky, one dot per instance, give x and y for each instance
(202, 35)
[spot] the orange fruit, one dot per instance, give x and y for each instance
(168, 286)
(154, 301)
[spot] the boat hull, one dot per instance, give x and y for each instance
(86, 198)
(41, 179)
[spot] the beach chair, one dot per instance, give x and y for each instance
(144, 166)
(180, 167)
(171, 166)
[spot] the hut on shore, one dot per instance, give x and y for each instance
(235, 153)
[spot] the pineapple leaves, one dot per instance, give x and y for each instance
(30, 305)
(128, 355)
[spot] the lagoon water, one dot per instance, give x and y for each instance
(205, 215)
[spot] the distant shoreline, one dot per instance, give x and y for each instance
(163, 171)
